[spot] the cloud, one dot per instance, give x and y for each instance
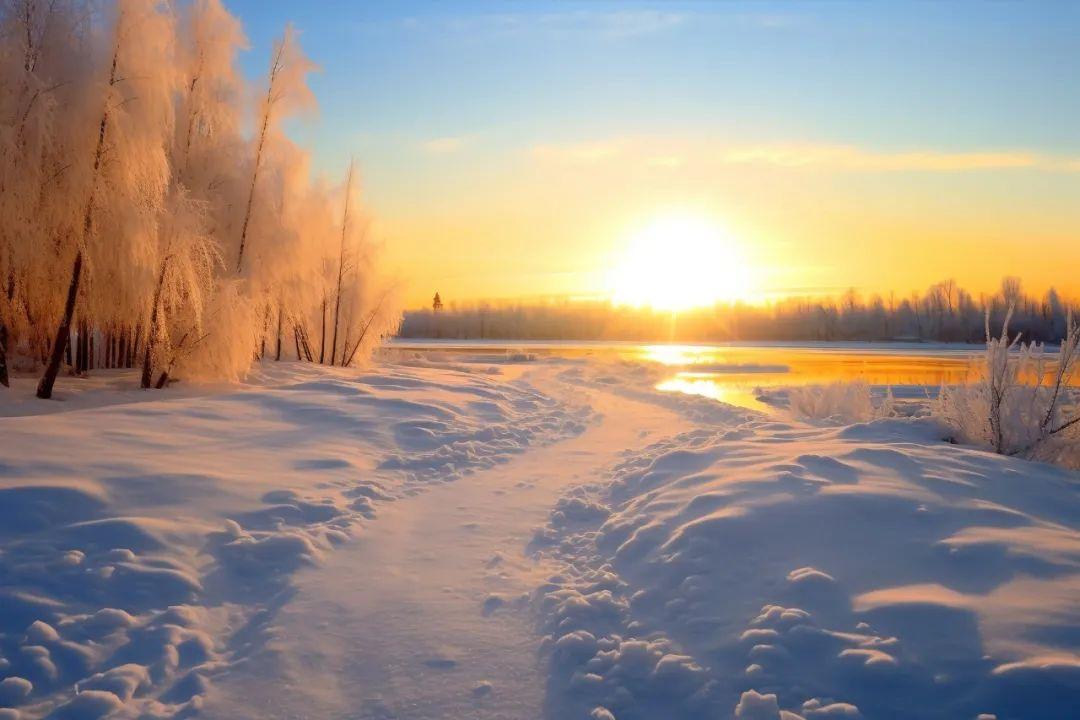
(617, 24)
(828, 157)
(855, 158)
(444, 145)
(636, 23)
(583, 152)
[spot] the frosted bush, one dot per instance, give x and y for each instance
(839, 402)
(1019, 400)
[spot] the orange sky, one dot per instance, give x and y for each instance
(517, 149)
(554, 220)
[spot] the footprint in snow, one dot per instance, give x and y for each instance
(443, 659)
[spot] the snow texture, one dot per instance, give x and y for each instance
(762, 568)
(725, 564)
(147, 540)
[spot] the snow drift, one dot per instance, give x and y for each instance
(147, 540)
(769, 569)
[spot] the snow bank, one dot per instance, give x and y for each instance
(769, 569)
(147, 540)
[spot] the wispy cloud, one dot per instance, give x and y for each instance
(636, 23)
(582, 152)
(616, 24)
(828, 157)
(444, 145)
(855, 158)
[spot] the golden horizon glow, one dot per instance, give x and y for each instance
(680, 261)
(803, 231)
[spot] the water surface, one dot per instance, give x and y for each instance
(734, 373)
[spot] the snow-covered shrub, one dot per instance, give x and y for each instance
(839, 401)
(1019, 401)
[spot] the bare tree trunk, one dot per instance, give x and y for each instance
(84, 346)
(296, 337)
(4, 335)
(322, 339)
(80, 337)
(277, 351)
(134, 351)
(337, 310)
(155, 320)
(341, 264)
(345, 345)
(275, 69)
(305, 343)
(45, 387)
(3, 356)
(363, 330)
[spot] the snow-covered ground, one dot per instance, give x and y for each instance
(468, 536)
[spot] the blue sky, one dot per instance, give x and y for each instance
(440, 98)
(958, 75)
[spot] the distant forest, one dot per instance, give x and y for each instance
(945, 313)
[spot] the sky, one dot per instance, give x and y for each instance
(524, 149)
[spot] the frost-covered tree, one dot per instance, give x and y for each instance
(140, 221)
(37, 77)
(120, 159)
(286, 91)
(205, 147)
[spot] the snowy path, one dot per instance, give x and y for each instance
(318, 543)
(424, 615)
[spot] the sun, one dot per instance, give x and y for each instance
(681, 261)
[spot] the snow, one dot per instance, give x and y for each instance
(143, 542)
(452, 535)
(856, 571)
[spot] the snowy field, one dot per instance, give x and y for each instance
(457, 535)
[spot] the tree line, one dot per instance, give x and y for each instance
(945, 312)
(153, 212)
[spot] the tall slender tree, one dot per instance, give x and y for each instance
(63, 331)
(342, 258)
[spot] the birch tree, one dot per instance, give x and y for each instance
(140, 222)
(126, 169)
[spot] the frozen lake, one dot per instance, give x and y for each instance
(733, 373)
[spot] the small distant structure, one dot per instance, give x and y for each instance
(436, 303)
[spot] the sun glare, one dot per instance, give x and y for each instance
(678, 262)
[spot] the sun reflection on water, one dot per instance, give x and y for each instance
(707, 385)
(680, 354)
(735, 374)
